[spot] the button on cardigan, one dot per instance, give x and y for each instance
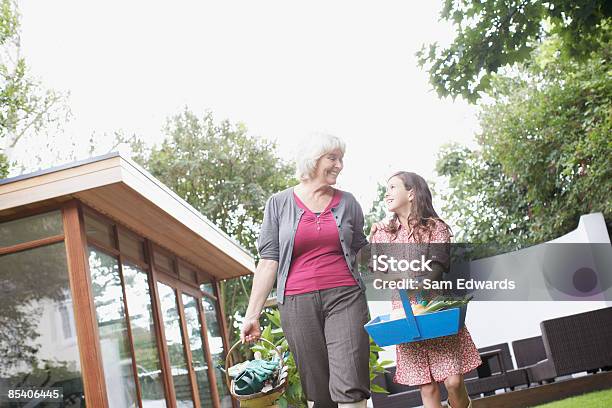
(277, 234)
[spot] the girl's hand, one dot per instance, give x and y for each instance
(250, 332)
(376, 226)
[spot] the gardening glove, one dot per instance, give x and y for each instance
(235, 370)
(252, 379)
(262, 369)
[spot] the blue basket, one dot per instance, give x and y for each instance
(386, 332)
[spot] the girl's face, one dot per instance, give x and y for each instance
(329, 167)
(397, 198)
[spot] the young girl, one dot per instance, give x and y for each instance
(428, 362)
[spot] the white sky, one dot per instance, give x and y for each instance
(346, 68)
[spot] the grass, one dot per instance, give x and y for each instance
(598, 399)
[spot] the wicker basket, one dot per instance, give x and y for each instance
(260, 399)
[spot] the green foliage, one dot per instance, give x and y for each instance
(494, 33)
(273, 332)
(377, 367)
(4, 166)
(221, 171)
(378, 209)
(544, 156)
(26, 108)
(294, 395)
(9, 21)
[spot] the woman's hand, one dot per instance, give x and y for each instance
(265, 275)
(250, 332)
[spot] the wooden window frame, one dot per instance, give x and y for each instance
(222, 325)
(88, 338)
(180, 263)
(103, 220)
(127, 319)
(24, 246)
(76, 242)
(162, 251)
(180, 288)
(160, 333)
(127, 232)
(145, 267)
(35, 243)
(28, 212)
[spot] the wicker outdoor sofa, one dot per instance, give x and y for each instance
(573, 344)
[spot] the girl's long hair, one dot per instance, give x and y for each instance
(423, 217)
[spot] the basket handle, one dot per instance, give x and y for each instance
(409, 315)
(228, 359)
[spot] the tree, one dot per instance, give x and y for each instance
(544, 156)
(26, 108)
(225, 174)
(221, 171)
(377, 211)
(4, 166)
(495, 33)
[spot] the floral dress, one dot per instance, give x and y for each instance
(423, 362)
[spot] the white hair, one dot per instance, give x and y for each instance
(311, 149)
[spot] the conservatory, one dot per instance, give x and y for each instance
(109, 289)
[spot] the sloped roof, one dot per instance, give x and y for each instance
(116, 186)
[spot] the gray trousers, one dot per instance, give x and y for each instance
(331, 348)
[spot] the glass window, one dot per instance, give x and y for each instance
(66, 320)
(143, 335)
(174, 342)
(198, 350)
(112, 328)
(132, 246)
(208, 288)
(31, 228)
(217, 352)
(99, 231)
(37, 346)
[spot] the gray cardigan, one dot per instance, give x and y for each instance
(281, 218)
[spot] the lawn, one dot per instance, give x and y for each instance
(599, 399)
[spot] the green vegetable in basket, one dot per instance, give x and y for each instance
(440, 303)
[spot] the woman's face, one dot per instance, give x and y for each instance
(329, 167)
(397, 198)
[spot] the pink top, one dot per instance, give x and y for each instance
(317, 262)
(439, 234)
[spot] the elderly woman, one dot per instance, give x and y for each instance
(308, 242)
